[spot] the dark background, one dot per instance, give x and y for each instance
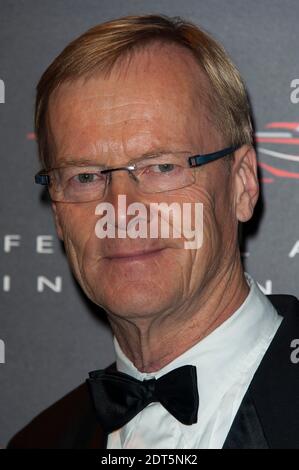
(52, 335)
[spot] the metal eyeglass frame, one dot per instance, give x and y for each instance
(194, 161)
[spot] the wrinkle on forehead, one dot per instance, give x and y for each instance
(165, 90)
(155, 61)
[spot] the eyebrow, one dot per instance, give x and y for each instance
(160, 152)
(84, 161)
(80, 161)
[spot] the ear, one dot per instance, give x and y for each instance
(245, 181)
(57, 222)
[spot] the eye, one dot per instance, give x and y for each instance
(163, 168)
(86, 178)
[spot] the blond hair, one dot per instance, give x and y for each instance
(102, 46)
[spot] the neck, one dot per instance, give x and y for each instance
(153, 343)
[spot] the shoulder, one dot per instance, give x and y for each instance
(70, 423)
(288, 307)
(275, 386)
(280, 348)
(57, 424)
(285, 303)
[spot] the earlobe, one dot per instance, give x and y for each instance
(245, 182)
(57, 222)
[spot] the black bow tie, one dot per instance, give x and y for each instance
(118, 397)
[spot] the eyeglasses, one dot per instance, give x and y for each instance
(154, 174)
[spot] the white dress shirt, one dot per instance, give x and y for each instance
(226, 361)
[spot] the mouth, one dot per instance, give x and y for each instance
(140, 255)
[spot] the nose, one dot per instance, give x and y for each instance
(121, 182)
(123, 193)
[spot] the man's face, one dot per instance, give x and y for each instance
(156, 103)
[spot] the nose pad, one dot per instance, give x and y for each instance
(133, 176)
(121, 193)
(118, 181)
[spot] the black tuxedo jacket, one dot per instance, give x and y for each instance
(267, 418)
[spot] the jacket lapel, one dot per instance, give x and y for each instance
(97, 437)
(269, 414)
(246, 431)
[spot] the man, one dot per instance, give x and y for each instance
(151, 109)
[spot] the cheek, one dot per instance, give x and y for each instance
(78, 226)
(205, 196)
(214, 190)
(214, 199)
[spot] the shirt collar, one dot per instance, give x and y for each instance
(226, 348)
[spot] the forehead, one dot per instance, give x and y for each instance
(156, 95)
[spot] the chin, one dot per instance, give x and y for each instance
(136, 299)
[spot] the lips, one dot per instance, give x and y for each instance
(134, 255)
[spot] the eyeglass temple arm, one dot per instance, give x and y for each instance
(44, 179)
(198, 160)
(41, 178)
